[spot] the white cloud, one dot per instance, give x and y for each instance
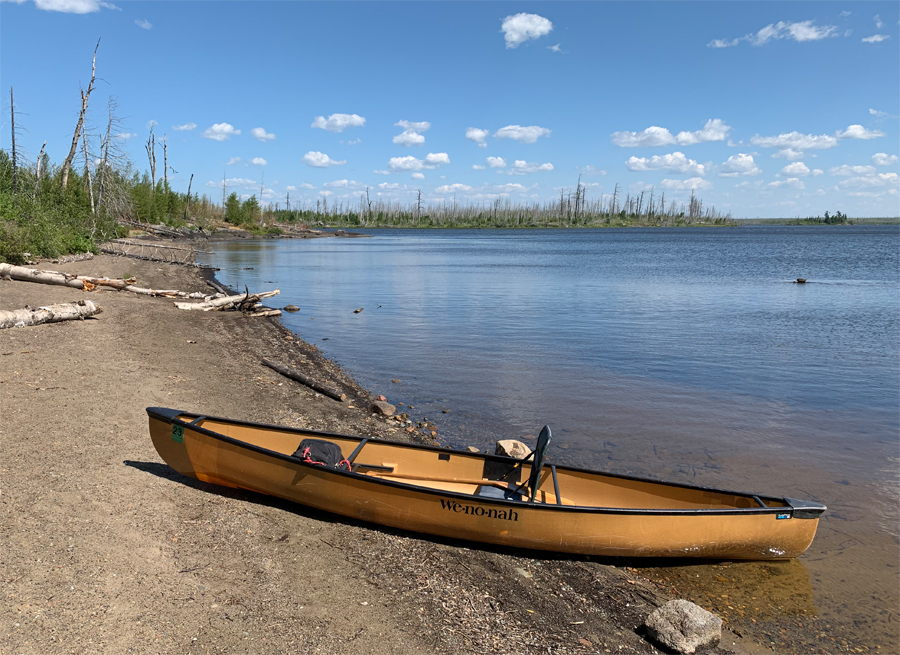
(418, 176)
(512, 187)
(453, 188)
(797, 169)
(521, 27)
(477, 135)
(876, 38)
(788, 153)
(858, 132)
(795, 141)
(321, 160)
(870, 181)
(714, 130)
(522, 167)
(290, 187)
(151, 124)
(187, 127)
(883, 159)
(71, 6)
(390, 186)
(496, 162)
(521, 134)
(554, 48)
(691, 183)
(675, 163)
(410, 163)
(261, 134)
(338, 122)
(344, 184)
(880, 114)
(242, 182)
(478, 167)
(794, 182)
(411, 133)
(799, 32)
(307, 186)
(326, 193)
(143, 24)
(847, 170)
(593, 170)
(740, 164)
(878, 23)
(233, 161)
(220, 132)
(354, 142)
(817, 171)
(124, 136)
(381, 172)
(258, 161)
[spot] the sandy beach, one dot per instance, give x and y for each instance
(108, 550)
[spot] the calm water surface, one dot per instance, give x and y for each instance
(683, 354)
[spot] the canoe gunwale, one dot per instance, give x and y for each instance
(799, 509)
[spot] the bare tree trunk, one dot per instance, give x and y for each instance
(37, 176)
(67, 164)
(12, 112)
(87, 170)
(150, 147)
(187, 202)
(48, 314)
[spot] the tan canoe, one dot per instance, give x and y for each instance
(462, 495)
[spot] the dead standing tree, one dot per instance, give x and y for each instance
(150, 147)
(85, 95)
(12, 120)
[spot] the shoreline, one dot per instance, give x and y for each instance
(109, 550)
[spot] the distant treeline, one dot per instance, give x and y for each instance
(572, 209)
(839, 218)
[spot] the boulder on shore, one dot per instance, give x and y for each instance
(684, 627)
(383, 408)
(512, 448)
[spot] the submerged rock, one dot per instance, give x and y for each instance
(512, 448)
(683, 626)
(291, 308)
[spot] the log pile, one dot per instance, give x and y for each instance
(244, 302)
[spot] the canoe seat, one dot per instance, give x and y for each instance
(490, 491)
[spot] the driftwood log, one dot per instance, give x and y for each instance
(315, 385)
(243, 301)
(49, 314)
(87, 283)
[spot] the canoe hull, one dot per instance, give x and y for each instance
(210, 457)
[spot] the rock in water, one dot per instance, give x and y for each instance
(685, 627)
(383, 408)
(512, 448)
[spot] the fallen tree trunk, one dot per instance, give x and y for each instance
(241, 301)
(87, 283)
(49, 314)
(331, 392)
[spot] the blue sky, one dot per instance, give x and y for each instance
(762, 108)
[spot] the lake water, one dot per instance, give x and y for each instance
(683, 354)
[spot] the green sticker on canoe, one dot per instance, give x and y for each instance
(178, 433)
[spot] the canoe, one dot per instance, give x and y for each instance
(487, 498)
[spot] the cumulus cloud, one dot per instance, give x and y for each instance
(241, 182)
(794, 182)
(187, 127)
(788, 153)
(870, 181)
(143, 24)
(740, 164)
(410, 163)
(71, 6)
(151, 124)
(715, 129)
(478, 167)
(496, 162)
(883, 159)
(797, 169)
(800, 32)
(261, 134)
(418, 176)
(258, 161)
(220, 132)
(477, 135)
(233, 161)
(593, 170)
(411, 135)
(691, 183)
(876, 38)
(676, 162)
(858, 132)
(847, 170)
(795, 141)
(318, 159)
(453, 188)
(522, 167)
(519, 28)
(124, 136)
(521, 134)
(338, 122)
(344, 184)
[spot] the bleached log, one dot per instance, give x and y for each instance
(73, 258)
(240, 300)
(49, 314)
(87, 283)
(315, 385)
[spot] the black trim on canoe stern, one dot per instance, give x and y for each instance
(164, 413)
(805, 509)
